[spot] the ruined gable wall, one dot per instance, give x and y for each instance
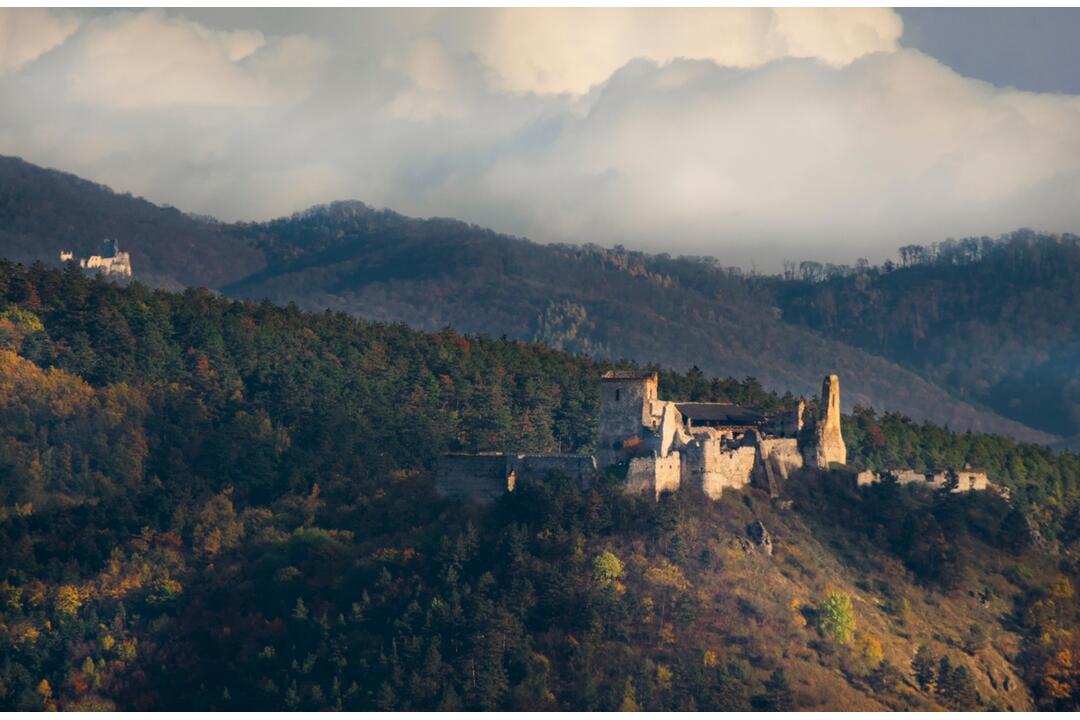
(670, 434)
(475, 477)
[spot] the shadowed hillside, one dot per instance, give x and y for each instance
(45, 211)
(679, 312)
(214, 505)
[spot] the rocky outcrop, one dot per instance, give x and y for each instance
(760, 536)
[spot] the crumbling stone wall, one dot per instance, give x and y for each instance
(473, 477)
(485, 477)
(709, 465)
(580, 468)
(777, 459)
(653, 474)
(969, 480)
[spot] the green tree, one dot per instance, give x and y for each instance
(607, 568)
(836, 618)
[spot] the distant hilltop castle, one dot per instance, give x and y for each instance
(111, 262)
(668, 446)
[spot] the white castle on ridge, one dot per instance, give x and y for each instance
(111, 262)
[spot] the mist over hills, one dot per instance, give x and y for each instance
(681, 313)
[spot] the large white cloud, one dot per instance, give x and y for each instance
(144, 60)
(784, 135)
(28, 33)
(553, 50)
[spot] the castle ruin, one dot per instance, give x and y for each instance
(707, 447)
(111, 262)
(667, 445)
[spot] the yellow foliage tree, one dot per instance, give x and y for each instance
(68, 601)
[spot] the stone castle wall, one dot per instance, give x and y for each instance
(478, 477)
(969, 480)
(777, 459)
(709, 467)
(654, 475)
(486, 477)
(580, 468)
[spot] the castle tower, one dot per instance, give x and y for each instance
(625, 409)
(829, 441)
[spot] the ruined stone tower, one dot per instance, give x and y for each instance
(829, 443)
(626, 399)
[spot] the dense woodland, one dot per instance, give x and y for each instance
(211, 504)
(995, 321)
(612, 303)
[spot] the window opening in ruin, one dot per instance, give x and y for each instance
(618, 393)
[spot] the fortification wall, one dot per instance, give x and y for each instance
(581, 468)
(653, 474)
(477, 477)
(969, 480)
(777, 459)
(709, 467)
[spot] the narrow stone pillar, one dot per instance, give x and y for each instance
(830, 442)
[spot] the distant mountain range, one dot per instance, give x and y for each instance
(982, 340)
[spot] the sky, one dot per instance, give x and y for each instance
(751, 135)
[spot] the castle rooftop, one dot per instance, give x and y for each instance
(628, 375)
(723, 413)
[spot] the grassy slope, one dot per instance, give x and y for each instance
(760, 604)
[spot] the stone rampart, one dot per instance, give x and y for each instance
(655, 475)
(475, 477)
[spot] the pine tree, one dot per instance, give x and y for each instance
(885, 677)
(778, 696)
(964, 696)
(944, 689)
(923, 667)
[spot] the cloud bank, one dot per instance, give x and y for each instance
(752, 135)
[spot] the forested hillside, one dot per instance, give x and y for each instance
(681, 313)
(210, 504)
(378, 265)
(44, 211)
(995, 322)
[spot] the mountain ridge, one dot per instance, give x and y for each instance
(683, 313)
